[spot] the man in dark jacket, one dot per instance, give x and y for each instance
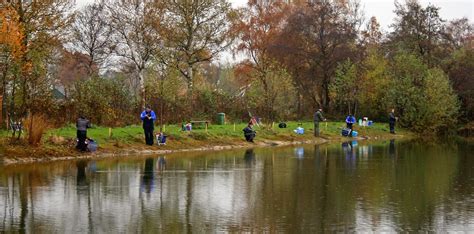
(82, 125)
(318, 117)
(249, 133)
(148, 117)
(391, 121)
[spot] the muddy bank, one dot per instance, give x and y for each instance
(9, 160)
(68, 154)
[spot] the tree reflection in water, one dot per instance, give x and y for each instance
(333, 188)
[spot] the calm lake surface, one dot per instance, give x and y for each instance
(367, 187)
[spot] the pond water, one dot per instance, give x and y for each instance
(355, 186)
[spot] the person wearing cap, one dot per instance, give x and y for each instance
(148, 117)
(318, 117)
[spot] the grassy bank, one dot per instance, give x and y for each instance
(60, 142)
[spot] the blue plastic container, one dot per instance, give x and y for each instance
(354, 133)
(299, 130)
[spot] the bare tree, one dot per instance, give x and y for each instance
(136, 36)
(458, 32)
(196, 31)
(91, 35)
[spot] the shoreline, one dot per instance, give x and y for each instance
(136, 150)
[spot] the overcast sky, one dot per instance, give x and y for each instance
(383, 9)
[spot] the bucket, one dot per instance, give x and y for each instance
(299, 130)
(354, 133)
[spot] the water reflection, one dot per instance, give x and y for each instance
(148, 178)
(349, 187)
(299, 152)
(249, 157)
(391, 148)
(81, 173)
(161, 164)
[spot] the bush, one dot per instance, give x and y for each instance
(423, 96)
(36, 126)
(105, 102)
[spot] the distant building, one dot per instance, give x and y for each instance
(58, 93)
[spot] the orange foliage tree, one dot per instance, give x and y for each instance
(11, 50)
(258, 26)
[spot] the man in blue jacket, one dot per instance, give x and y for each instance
(350, 120)
(148, 117)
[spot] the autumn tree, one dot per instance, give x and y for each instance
(195, 31)
(344, 90)
(319, 35)
(258, 26)
(417, 30)
(374, 84)
(460, 67)
(136, 37)
(423, 96)
(70, 68)
(91, 34)
(457, 33)
(271, 92)
(372, 36)
(11, 50)
(42, 24)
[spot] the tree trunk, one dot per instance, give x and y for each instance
(162, 82)
(4, 97)
(190, 77)
(142, 88)
(326, 98)
(190, 81)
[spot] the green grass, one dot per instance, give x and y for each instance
(61, 141)
(134, 134)
(215, 135)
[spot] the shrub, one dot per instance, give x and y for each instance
(36, 126)
(423, 96)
